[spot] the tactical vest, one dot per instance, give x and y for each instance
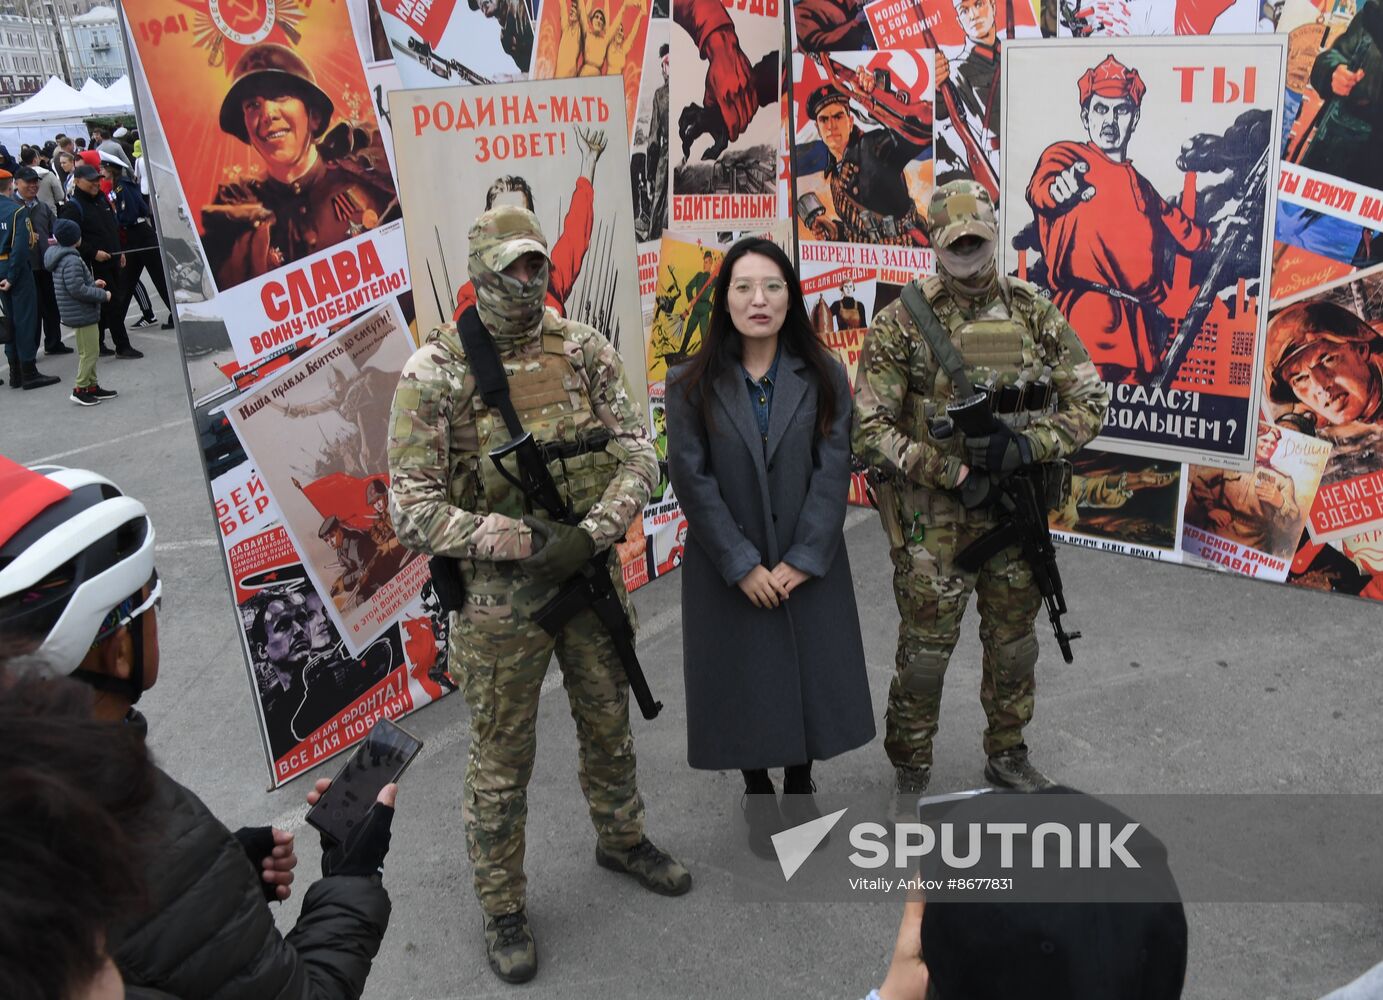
(998, 352)
(554, 405)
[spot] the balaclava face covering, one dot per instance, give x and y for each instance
(959, 209)
(510, 308)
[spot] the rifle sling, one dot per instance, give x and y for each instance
(937, 339)
(490, 380)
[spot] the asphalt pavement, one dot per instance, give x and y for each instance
(1185, 681)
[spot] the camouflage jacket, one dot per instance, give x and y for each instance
(897, 372)
(436, 495)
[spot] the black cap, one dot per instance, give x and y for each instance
(86, 172)
(822, 96)
(26, 174)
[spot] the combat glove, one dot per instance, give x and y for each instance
(1002, 452)
(979, 490)
(559, 551)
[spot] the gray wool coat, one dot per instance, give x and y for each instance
(767, 687)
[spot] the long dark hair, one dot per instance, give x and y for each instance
(723, 347)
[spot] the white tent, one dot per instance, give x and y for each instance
(115, 99)
(55, 108)
(93, 93)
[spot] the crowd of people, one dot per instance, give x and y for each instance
(76, 237)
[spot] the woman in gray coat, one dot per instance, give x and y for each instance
(759, 457)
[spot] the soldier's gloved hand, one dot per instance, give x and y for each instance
(979, 490)
(559, 550)
(1002, 452)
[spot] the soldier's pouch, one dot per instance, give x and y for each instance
(890, 515)
(582, 477)
(1056, 483)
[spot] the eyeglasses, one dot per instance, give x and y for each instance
(131, 608)
(771, 287)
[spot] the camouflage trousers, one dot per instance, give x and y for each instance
(932, 594)
(498, 658)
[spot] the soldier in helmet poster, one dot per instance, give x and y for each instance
(274, 137)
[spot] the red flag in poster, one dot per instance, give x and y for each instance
(343, 497)
(426, 17)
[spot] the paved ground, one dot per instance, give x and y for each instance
(1185, 682)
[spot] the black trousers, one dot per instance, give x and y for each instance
(50, 323)
(137, 262)
(113, 309)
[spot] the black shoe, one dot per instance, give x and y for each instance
(1012, 769)
(129, 353)
(16, 378)
(106, 352)
(764, 820)
(32, 378)
(58, 348)
(510, 948)
(100, 393)
(800, 807)
(168, 324)
(144, 321)
(84, 397)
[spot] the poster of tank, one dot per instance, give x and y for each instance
(1122, 503)
(724, 102)
(862, 146)
(1324, 378)
(278, 154)
(1331, 202)
(441, 42)
(590, 38)
(1139, 178)
(555, 147)
(317, 433)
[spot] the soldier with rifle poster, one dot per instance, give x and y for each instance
(863, 146)
(971, 392)
(1149, 226)
(518, 457)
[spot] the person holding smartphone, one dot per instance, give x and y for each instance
(759, 456)
(79, 598)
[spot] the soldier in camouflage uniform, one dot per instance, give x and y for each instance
(937, 494)
(568, 387)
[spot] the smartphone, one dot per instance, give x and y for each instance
(380, 759)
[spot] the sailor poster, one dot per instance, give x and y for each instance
(1139, 180)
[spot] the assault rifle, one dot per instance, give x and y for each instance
(1024, 522)
(591, 587)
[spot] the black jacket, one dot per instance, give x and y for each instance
(100, 230)
(209, 934)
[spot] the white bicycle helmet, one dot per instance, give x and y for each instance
(70, 564)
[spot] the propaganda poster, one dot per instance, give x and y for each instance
(724, 102)
(1140, 198)
(589, 38)
(279, 158)
(441, 42)
(555, 147)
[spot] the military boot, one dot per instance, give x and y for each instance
(909, 785)
(16, 375)
(1011, 769)
(655, 869)
(510, 948)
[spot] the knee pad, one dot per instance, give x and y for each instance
(1017, 657)
(923, 671)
